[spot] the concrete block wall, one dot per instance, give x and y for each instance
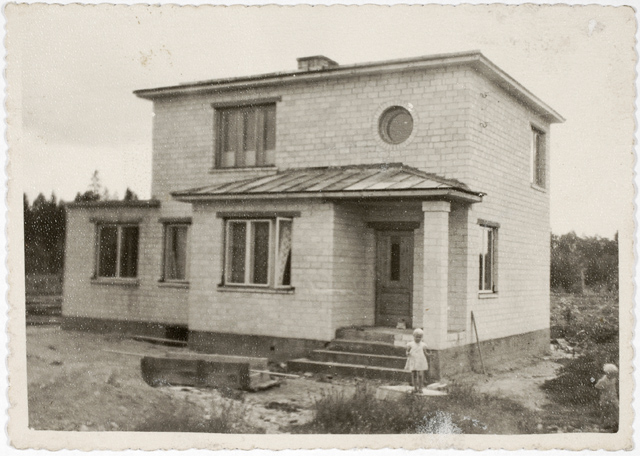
(458, 268)
(354, 254)
(304, 313)
(326, 123)
(501, 166)
(141, 300)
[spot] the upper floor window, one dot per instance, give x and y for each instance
(175, 252)
(538, 158)
(246, 136)
(396, 125)
(117, 251)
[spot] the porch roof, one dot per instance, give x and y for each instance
(383, 180)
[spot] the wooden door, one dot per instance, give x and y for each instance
(394, 277)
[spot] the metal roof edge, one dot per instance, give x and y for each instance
(454, 193)
(474, 59)
(140, 204)
(500, 77)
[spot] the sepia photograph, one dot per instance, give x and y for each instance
(406, 226)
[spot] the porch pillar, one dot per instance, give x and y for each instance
(435, 275)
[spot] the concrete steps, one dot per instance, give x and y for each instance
(376, 353)
(364, 359)
(349, 370)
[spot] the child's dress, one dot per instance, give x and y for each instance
(416, 361)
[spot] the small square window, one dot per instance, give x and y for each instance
(117, 251)
(487, 257)
(246, 136)
(175, 252)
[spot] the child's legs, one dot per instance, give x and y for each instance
(420, 379)
(414, 378)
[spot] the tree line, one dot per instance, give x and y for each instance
(583, 263)
(45, 225)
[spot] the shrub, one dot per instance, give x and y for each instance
(575, 383)
(362, 413)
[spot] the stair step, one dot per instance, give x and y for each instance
(353, 370)
(365, 359)
(362, 346)
(384, 335)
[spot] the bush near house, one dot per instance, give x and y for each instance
(590, 323)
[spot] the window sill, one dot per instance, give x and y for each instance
(173, 283)
(487, 295)
(115, 281)
(241, 289)
(538, 188)
(248, 169)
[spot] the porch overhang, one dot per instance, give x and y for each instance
(388, 182)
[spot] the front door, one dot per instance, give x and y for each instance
(394, 277)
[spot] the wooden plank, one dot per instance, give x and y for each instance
(161, 341)
(157, 371)
(275, 374)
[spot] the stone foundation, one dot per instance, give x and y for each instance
(274, 348)
(495, 352)
(138, 328)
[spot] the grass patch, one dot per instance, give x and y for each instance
(461, 412)
(228, 417)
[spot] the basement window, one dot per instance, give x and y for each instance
(258, 253)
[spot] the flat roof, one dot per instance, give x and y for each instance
(473, 59)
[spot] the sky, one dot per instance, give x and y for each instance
(72, 70)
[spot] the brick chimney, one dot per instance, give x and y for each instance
(316, 62)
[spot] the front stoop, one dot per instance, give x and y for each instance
(376, 353)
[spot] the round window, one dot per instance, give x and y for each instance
(396, 125)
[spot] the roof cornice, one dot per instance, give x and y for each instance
(472, 59)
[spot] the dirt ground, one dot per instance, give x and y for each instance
(77, 381)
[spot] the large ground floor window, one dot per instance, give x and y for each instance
(258, 252)
(117, 250)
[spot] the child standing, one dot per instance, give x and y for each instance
(417, 360)
(609, 396)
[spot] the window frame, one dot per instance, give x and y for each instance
(249, 250)
(538, 157)
(264, 156)
(488, 227)
(119, 246)
(166, 226)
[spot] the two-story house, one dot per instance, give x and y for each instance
(289, 206)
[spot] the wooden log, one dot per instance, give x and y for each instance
(161, 371)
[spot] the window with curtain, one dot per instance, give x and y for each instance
(246, 136)
(258, 252)
(175, 252)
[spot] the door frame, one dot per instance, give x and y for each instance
(402, 229)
